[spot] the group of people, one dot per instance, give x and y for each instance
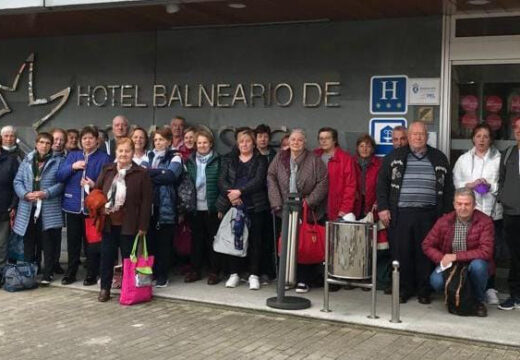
(411, 191)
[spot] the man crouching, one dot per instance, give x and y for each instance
(464, 235)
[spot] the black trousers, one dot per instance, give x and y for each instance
(254, 247)
(267, 263)
(75, 239)
(160, 242)
(111, 242)
(408, 228)
(34, 235)
(512, 236)
(204, 226)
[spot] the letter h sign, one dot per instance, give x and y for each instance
(388, 95)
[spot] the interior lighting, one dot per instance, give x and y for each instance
(478, 2)
(172, 8)
(237, 5)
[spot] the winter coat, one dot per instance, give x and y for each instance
(8, 198)
(138, 203)
(463, 174)
(212, 175)
(164, 178)
(311, 180)
(370, 185)
(479, 239)
(342, 183)
(72, 201)
(391, 175)
(16, 153)
(509, 183)
(51, 214)
(256, 187)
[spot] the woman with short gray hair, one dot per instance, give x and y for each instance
(297, 170)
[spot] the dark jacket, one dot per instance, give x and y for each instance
(270, 155)
(256, 187)
(8, 198)
(16, 153)
(509, 183)
(138, 203)
(71, 178)
(212, 174)
(164, 178)
(391, 175)
(479, 239)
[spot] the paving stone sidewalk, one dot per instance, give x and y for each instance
(58, 323)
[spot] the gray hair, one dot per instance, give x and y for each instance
(464, 191)
(299, 131)
(8, 128)
(400, 128)
(123, 117)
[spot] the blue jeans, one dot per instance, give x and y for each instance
(478, 275)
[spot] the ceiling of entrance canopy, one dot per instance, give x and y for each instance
(153, 15)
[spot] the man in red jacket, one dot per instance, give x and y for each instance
(465, 235)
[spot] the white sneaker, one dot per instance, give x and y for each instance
(233, 281)
(254, 283)
(491, 297)
(302, 288)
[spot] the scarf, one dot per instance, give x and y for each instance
(201, 161)
(38, 163)
(157, 158)
(117, 192)
(363, 163)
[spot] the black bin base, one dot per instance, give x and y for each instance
(289, 303)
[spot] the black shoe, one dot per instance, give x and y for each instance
(403, 299)
(89, 281)
(67, 280)
(58, 269)
(334, 287)
(45, 281)
(104, 295)
(388, 290)
(481, 310)
(425, 300)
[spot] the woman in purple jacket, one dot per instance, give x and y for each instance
(79, 172)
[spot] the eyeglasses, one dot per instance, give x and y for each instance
(43, 142)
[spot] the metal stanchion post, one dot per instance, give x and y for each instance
(395, 293)
(326, 271)
(374, 273)
(280, 301)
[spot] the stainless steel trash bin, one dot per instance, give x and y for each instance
(350, 250)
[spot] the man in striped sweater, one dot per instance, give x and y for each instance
(414, 189)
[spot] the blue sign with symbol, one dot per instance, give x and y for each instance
(381, 131)
(389, 95)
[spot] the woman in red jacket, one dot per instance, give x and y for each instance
(367, 168)
(342, 175)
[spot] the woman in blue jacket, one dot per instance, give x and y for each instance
(79, 173)
(39, 217)
(165, 167)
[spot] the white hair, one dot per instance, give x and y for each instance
(298, 131)
(6, 129)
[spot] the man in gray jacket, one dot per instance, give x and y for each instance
(509, 196)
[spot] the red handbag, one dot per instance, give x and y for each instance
(92, 234)
(182, 239)
(311, 239)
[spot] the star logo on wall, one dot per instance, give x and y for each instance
(61, 96)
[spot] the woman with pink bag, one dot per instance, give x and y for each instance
(128, 189)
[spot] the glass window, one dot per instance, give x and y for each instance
(483, 94)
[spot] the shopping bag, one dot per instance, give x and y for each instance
(182, 239)
(311, 239)
(224, 241)
(136, 269)
(92, 234)
(15, 247)
(20, 276)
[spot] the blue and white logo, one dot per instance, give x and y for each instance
(388, 95)
(381, 130)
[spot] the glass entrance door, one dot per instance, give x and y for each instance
(483, 94)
